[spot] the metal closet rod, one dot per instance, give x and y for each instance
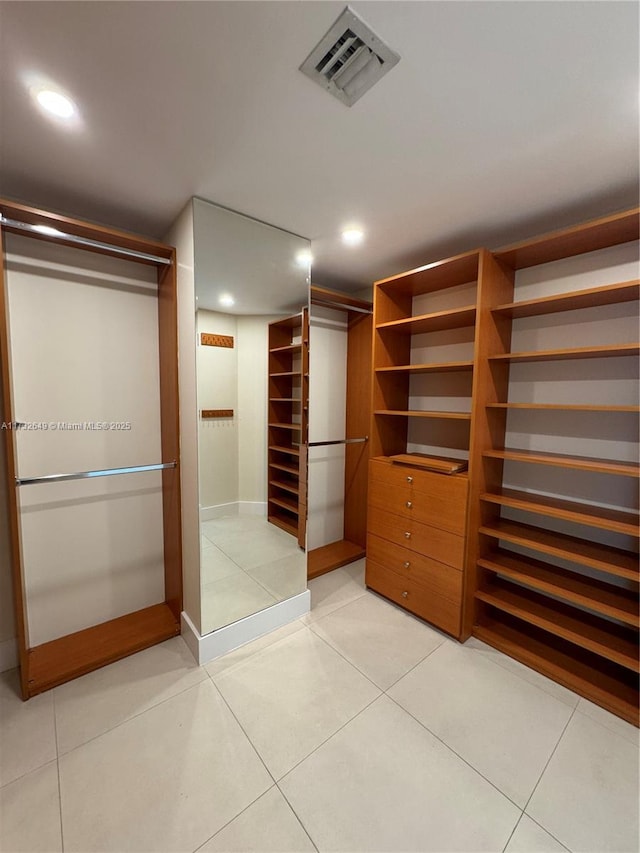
(50, 231)
(87, 475)
(340, 441)
(327, 303)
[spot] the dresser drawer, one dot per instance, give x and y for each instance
(431, 541)
(416, 567)
(423, 599)
(443, 508)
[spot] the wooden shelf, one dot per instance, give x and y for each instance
(434, 367)
(280, 466)
(610, 294)
(613, 561)
(287, 348)
(568, 242)
(602, 598)
(461, 416)
(569, 407)
(440, 275)
(283, 523)
(287, 487)
(68, 657)
(606, 519)
(279, 448)
(614, 688)
(285, 426)
(332, 556)
(454, 318)
(284, 399)
(285, 503)
(580, 463)
(564, 354)
(585, 630)
(286, 373)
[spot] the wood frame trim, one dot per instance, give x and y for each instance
(49, 664)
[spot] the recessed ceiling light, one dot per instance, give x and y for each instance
(352, 236)
(56, 104)
(304, 258)
(48, 230)
(227, 300)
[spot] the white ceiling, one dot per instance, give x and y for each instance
(501, 120)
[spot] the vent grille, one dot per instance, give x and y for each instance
(349, 59)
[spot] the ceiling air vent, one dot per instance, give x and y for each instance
(349, 59)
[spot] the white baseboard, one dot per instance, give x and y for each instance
(208, 513)
(8, 654)
(211, 646)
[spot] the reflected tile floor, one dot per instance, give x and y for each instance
(357, 728)
(247, 565)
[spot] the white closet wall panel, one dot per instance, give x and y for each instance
(84, 343)
(218, 389)
(327, 421)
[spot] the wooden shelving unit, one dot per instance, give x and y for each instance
(549, 580)
(287, 423)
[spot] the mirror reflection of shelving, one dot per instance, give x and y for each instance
(287, 423)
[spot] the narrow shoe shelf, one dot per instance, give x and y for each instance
(580, 463)
(606, 639)
(568, 407)
(287, 487)
(280, 466)
(287, 348)
(604, 558)
(617, 521)
(285, 503)
(603, 598)
(612, 687)
(283, 523)
(279, 448)
(285, 426)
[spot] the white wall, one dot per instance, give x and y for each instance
(8, 652)
(217, 389)
(181, 236)
(84, 343)
(327, 421)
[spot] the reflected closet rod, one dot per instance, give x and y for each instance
(340, 441)
(47, 231)
(86, 475)
(328, 303)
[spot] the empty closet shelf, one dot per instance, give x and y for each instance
(614, 561)
(610, 294)
(438, 321)
(285, 503)
(602, 598)
(607, 519)
(581, 463)
(459, 416)
(562, 354)
(431, 367)
(606, 639)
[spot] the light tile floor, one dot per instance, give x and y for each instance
(356, 728)
(247, 564)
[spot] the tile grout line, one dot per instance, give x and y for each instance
(298, 818)
(544, 769)
(548, 833)
(211, 837)
(136, 715)
(55, 732)
(513, 832)
(437, 737)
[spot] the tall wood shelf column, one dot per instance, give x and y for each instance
(288, 423)
(568, 606)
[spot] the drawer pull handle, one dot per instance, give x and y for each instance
(409, 504)
(405, 594)
(407, 564)
(409, 479)
(407, 535)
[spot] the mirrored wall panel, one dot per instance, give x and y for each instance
(251, 284)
